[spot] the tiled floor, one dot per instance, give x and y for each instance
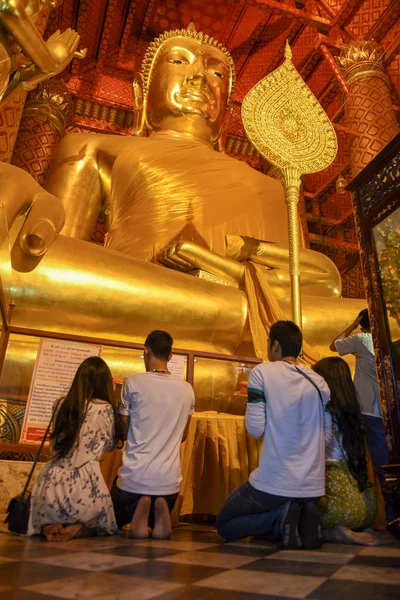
(194, 565)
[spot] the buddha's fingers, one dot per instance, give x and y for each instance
(165, 262)
(169, 258)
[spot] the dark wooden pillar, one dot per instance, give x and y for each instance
(376, 199)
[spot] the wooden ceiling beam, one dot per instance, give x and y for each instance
(322, 240)
(385, 22)
(346, 12)
(305, 18)
(292, 33)
(127, 29)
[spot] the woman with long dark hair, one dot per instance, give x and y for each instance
(70, 497)
(349, 502)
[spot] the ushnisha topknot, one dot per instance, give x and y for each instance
(155, 46)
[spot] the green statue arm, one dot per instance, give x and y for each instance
(49, 58)
(42, 213)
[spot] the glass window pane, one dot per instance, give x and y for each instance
(221, 385)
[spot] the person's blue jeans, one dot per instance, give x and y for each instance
(377, 449)
(250, 512)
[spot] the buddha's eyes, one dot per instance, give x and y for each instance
(218, 74)
(177, 61)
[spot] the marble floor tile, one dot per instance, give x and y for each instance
(104, 586)
(208, 559)
(31, 551)
(389, 562)
(202, 593)
(5, 559)
(18, 574)
(371, 574)
(90, 561)
(184, 546)
(194, 527)
(293, 567)
(245, 550)
(201, 537)
(24, 595)
(149, 551)
(312, 556)
(295, 586)
(339, 549)
(160, 569)
(81, 545)
(7, 538)
(335, 589)
(381, 551)
(194, 565)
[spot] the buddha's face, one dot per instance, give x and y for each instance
(189, 89)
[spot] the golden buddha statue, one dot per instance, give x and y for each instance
(171, 196)
(42, 59)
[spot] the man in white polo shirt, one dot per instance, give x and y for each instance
(155, 410)
(286, 403)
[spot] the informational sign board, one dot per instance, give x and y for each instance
(176, 365)
(55, 368)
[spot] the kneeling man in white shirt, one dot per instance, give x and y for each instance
(155, 410)
(286, 402)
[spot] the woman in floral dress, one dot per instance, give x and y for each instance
(70, 498)
(349, 503)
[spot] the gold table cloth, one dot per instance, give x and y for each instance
(217, 456)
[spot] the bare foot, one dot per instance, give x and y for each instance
(139, 526)
(344, 535)
(73, 531)
(162, 529)
(53, 533)
(58, 533)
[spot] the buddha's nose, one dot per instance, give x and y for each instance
(198, 80)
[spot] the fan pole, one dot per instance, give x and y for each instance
(292, 182)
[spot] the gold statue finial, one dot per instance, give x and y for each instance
(288, 51)
(359, 51)
(151, 55)
(360, 59)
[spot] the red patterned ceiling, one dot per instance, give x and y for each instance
(116, 33)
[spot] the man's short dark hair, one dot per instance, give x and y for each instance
(288, 336)
(365, 324)
(160, 343)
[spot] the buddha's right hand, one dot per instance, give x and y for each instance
(44, 213)
(188, 256)
(43, 223)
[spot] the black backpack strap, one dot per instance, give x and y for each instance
(312, 382)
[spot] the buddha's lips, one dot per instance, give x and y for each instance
(197, 95)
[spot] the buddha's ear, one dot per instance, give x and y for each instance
(224, 131)
(139, 108)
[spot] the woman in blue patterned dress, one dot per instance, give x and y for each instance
(70, 498)
(349, 503)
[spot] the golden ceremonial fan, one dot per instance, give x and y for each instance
(290, 129)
